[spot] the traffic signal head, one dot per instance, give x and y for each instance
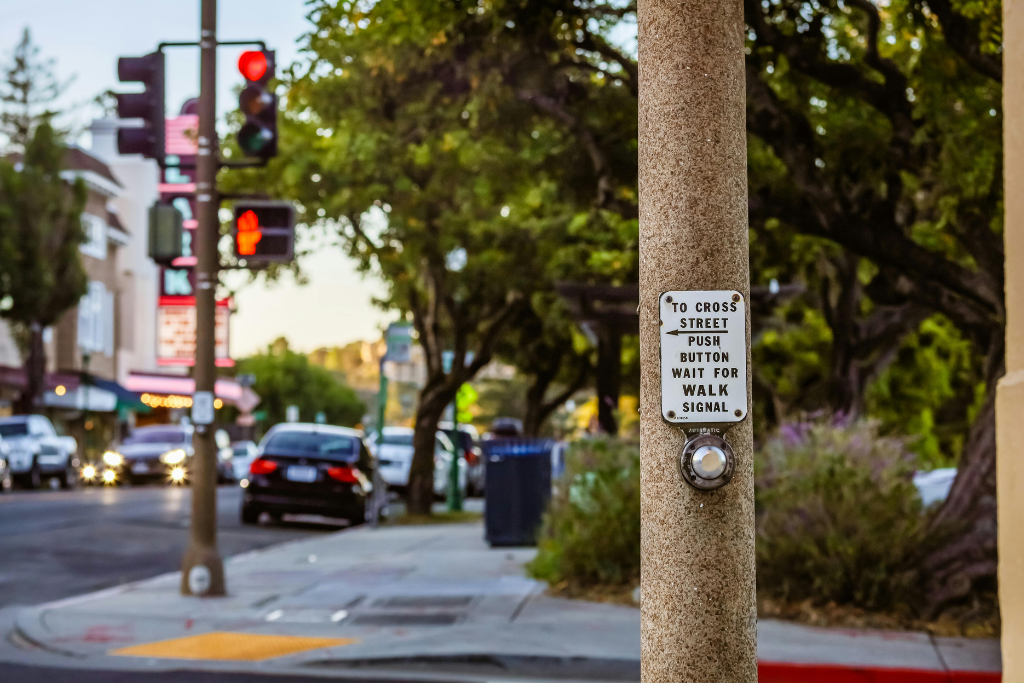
(147, 140)
(264, 231)
(258, 135)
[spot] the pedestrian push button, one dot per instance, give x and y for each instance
(707, 462)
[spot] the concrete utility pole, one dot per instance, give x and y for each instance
(202, 570)
(699, 618)
(1010, 392)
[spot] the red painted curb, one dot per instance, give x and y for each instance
(780, 672)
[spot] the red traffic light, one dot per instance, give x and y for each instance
(253, 65)
(249, 233)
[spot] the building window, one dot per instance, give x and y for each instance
(95, 244)
(96, 320)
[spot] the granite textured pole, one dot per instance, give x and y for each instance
(699, 617)
(1010, 391)
(202, 548)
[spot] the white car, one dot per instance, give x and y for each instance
(394, 459)
(242, 455)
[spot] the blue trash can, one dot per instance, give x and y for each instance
(518, 476)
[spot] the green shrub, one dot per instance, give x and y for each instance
(838, 517)
(591, 532)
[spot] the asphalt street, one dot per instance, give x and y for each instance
(57, 544)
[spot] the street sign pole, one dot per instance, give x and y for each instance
(202, 570)
(698, 614)
(454, 498)
(378, 482)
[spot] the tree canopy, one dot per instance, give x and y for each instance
(286, 378)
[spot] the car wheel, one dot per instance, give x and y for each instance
(69, 479)
(35, 476)
(250, 515)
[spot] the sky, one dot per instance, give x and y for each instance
(85, 38)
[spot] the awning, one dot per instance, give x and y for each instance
(83, 398)
(227, 390)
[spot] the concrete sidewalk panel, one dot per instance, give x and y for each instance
(779, 641)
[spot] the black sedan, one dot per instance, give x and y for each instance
(309, 469)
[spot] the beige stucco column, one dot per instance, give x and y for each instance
(697, 547)
(1010, 396)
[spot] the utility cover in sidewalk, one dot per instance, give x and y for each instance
(222, 645)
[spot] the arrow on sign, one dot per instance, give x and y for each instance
(675, 332)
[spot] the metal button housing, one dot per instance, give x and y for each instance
(707, 462)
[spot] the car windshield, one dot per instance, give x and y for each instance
(313, 445)
(14, 429)
(157, 436)
(241, 450)
(398, 439)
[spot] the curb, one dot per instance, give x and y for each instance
(782, 672)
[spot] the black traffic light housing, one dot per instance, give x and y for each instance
(264, 231)
(147, 140)
(258, 135)
(166, 228)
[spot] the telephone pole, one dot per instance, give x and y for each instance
(698, 612)
(202, 570)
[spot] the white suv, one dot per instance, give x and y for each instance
(37, 453)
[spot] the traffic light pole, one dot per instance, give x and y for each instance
(202, 568)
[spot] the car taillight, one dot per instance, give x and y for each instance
(261, 466)
(346, 475)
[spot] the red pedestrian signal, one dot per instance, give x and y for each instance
(249, 234)
(264, 231)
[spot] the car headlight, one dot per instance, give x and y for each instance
(173, 457)
(113, 459)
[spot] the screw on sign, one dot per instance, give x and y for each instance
(249, 233)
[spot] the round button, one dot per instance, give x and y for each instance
(709, 462)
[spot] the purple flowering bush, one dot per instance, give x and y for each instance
(838, 517)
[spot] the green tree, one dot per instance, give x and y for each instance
(27, 90)
(42, 276)
(457, 174)
(286, 378)
(542, 343)
(882, 127)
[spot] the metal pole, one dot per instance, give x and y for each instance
(378, 482)
(454, 501)
(202, 568)
(698, 614)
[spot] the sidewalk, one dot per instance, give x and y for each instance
(429, 602)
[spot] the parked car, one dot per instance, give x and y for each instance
(6, 483)
(311, 469)
(225, 456)
(242, 455)
(37, 452)
(394, 459)
(156, 453)
(469, 440)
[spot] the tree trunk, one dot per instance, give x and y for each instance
(35, 371)
(609, 378)
(537, 409)
(432, 402)
(535, 415)
(965, 526)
